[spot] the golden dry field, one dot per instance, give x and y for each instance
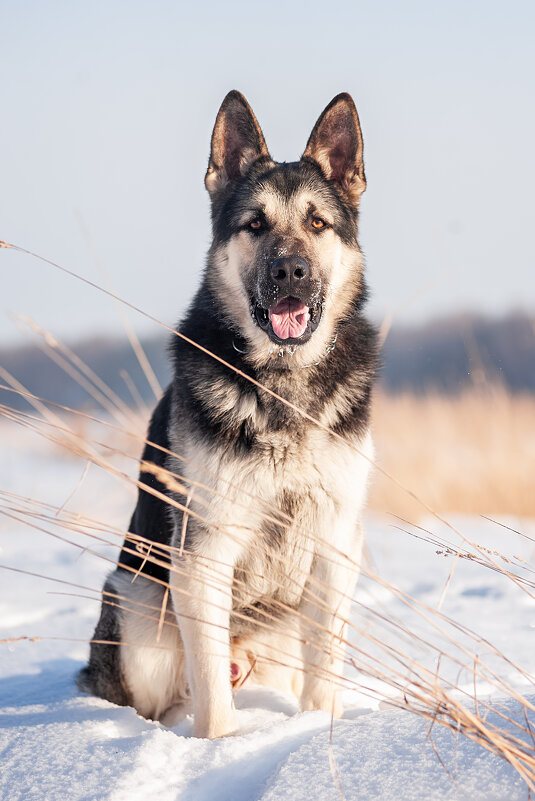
(473, 453)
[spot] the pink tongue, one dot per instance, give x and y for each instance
(289, 318)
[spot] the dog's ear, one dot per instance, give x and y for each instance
(237, 141)
(336, 145)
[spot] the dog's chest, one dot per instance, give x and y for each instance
(277, 558)
(272, 506)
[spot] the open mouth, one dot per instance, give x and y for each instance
(290, 321)
(289, 318)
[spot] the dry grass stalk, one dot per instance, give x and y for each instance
(159, 470)
(133, 338)
(423, 693)
(79, 371)
(310, 418)
(420, 690)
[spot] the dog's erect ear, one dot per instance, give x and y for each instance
(237, 141)
(336, 145)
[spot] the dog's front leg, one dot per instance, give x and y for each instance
(202, 598)
(325, 609)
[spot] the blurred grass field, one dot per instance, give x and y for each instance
(473, 453)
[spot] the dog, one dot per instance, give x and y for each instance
(243, 549)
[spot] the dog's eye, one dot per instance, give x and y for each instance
(256, 224)
(318, 223)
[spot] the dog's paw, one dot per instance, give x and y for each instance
(322, 696)
(214, 726)
(175, 714)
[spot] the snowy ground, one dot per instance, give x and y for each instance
(58, 744)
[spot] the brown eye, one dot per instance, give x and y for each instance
(256, 225)
(317, 223)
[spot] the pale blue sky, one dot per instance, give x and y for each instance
(106, 110)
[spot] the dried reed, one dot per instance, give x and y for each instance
(379, 648)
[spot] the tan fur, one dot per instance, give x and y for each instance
(324, 538)
(264, 563)
(340, 268)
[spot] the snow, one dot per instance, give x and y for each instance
(56, 743)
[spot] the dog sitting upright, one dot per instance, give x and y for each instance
(250, 544)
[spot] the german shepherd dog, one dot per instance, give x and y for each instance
(246, 539)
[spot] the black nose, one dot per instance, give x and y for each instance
(289, 270)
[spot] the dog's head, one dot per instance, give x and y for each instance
(285, 262)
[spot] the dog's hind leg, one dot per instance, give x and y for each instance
(152, 658)
(143, 666)
(102, 676)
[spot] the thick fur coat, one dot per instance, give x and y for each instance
(244, 546)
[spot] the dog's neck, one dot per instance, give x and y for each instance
(287, 350)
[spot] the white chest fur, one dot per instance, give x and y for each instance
(268, 512)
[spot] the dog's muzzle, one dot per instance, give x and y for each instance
(294, 307)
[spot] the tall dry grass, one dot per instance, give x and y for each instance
(444, 450)
(472, 454)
